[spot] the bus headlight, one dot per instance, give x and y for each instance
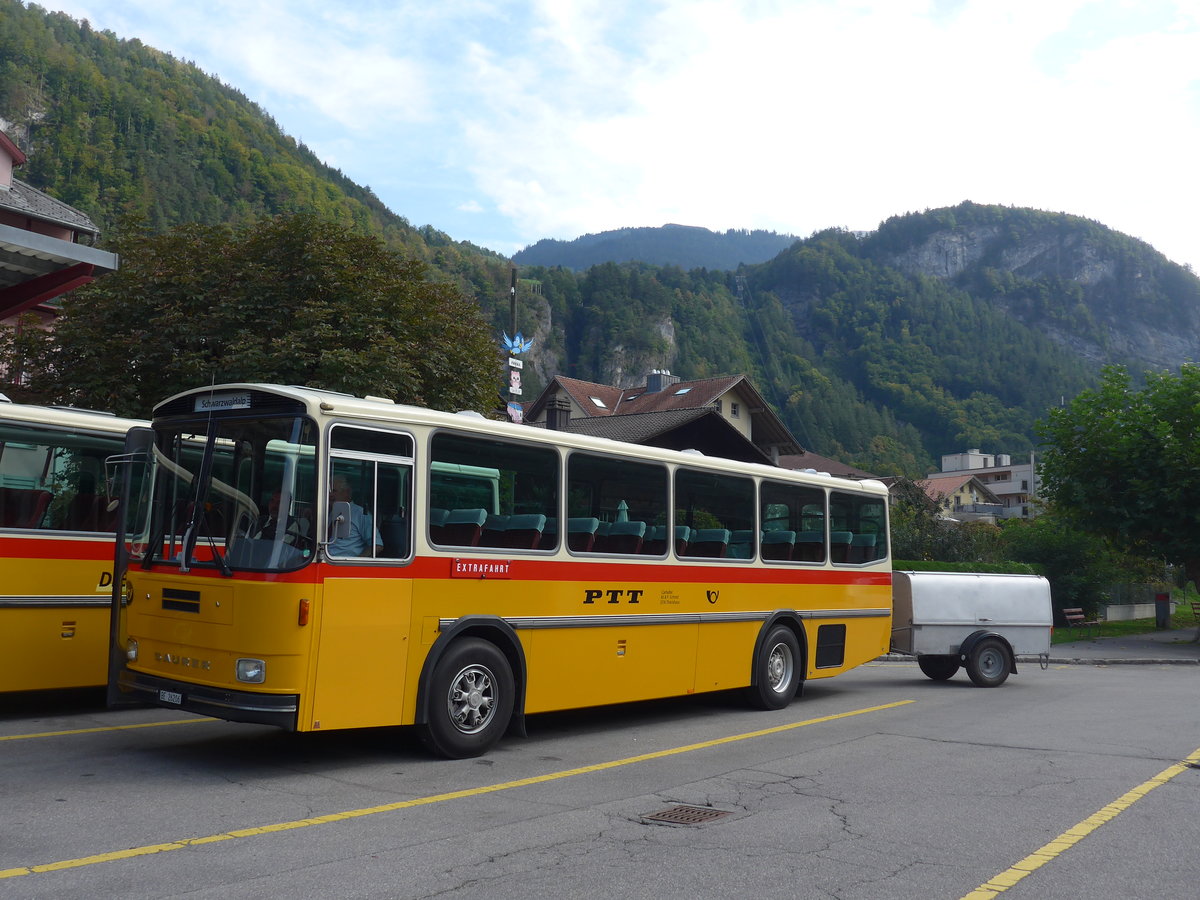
(251, 671)
(131, 650)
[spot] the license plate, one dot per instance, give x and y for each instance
(173, 697)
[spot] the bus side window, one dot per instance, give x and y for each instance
(716, 508)
(793, 522)
(616, 505)
(494, 493)
(381, 487)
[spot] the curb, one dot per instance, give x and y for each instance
(1067, 660)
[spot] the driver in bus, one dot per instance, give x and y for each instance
(294, 530)
(354, 544)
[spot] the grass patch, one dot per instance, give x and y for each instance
(1065, 635)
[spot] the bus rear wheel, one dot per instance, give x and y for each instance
(776, 670)
(471, 700)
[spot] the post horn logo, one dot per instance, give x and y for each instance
(712, 596)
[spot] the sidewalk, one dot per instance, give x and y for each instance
(1171, 647)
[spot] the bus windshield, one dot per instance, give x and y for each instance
(230, 494)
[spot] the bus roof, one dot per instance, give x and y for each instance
(331, 404)
(67, 417)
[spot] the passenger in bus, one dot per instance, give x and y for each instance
(354, 544)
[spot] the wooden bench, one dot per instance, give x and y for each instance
(1076, 619)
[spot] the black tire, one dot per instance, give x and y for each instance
(988, 663)
(939, 668)
(778, 670)
(471, 698)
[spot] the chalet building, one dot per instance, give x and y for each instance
(724, 417)
(1014, 486)
(44, 246)
(963, 497)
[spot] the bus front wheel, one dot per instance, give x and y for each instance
(471, 699)
(776, 670)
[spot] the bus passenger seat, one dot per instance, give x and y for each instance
(839, 545)
(810, 547)
(522, 532)
(492, 534)
(581, 532)
(437, 525)
(23, 507)
(710, 543)
(622, 537)
(778, 545)
(862, 548)
(655, 542)
(463, 526)
(683, 534)
(741, 545)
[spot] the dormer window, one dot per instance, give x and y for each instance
(598, 402)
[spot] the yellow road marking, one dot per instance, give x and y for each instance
(1074, 835)
(46, 734)
(426, 801)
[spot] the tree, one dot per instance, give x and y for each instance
(291, 300)
(1125, 463)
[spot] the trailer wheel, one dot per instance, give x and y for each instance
(777, 669)
(988, 663)
(471, 699)
(937, 667)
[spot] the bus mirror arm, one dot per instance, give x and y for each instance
(341, 521)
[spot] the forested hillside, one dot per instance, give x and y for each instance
(942, 330)
(685, 246)
(136, 138)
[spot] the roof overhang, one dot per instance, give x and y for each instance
(35, 268)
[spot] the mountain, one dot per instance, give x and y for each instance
(941, 330)
(686, 246)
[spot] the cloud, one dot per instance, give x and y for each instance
(560, 117)
(800, 116)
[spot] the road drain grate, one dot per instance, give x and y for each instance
(687, 815)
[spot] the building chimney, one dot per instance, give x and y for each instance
(558, 414)
(660, 380)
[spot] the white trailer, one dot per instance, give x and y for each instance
(979, 622)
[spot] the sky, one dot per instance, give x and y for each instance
(502, 123)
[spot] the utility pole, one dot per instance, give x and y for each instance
(515, 346)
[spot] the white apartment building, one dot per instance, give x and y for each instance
(1015, 486)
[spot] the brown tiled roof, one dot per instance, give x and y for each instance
(675, 429)
(582, 392)
(680, 395)
(636, 428)
(698, 397)
(810, 460)
(939, 486)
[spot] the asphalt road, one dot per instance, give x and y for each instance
(1064, 783)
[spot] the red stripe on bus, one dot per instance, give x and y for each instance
(56, 548)
(526, 569)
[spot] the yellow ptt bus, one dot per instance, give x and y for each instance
(56, 545)
(318, 561)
